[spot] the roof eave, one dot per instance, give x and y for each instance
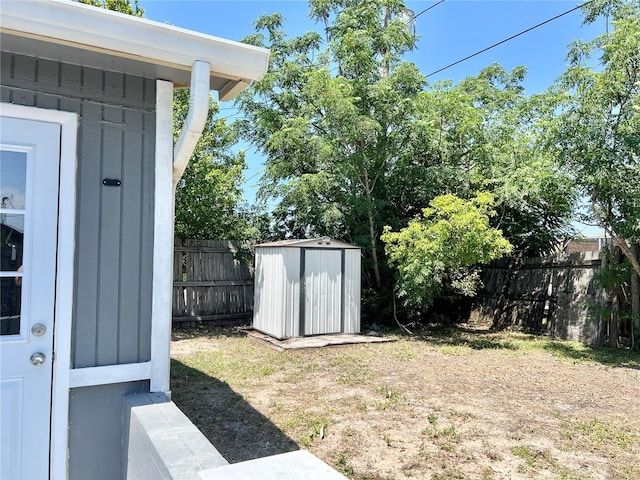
(89, 28)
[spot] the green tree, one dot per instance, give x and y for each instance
(122, 6)
(484, 134)
(597, 134)
(355, 139)
(209, 202)
(440, 252)
(330, 139)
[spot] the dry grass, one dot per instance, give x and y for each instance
(451, 404)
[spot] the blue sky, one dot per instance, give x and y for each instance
(448, 32)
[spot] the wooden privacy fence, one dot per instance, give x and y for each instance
(544, 295)
(209, 283)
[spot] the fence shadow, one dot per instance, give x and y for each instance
(234, 427)
(484, 339)
(607, 356)
(476, 339)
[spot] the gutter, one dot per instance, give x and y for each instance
(91, 29)
(195, 121)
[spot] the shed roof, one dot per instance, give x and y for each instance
(80, 34)
(322, 242)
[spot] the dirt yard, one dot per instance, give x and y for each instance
(452, 404)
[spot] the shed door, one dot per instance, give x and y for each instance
(322, 291)
(29, 169)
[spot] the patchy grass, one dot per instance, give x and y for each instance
(444, 404)
(464, 341)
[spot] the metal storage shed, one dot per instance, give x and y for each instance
(307, 287)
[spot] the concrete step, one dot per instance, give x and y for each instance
(298, 465)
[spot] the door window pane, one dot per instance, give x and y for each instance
(11, 249)
(13, 175)
(13, 179)
(11, 300)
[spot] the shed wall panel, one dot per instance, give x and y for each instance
(322, 291)
(290, 295)
(114, 231)
(277, 294)
(351, 307)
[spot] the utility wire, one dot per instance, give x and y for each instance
(510, 38)
(425, 10)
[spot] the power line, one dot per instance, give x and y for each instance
(510, 38)
(425, 10)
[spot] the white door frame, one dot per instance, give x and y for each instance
(64, 274)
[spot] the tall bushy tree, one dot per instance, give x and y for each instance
(328, 119)
(209, 194)
(483, 134)
(597, 133)
(355, 139)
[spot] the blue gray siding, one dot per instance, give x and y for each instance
(96, 441)
(114, 233)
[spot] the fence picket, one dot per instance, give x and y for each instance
(209, 284)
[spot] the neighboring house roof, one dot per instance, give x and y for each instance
(80, 34)
(323, 242)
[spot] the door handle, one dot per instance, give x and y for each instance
(38, 358)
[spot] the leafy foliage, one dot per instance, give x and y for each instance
(209, 203)
(122, 6)
(355, 139)
(597, 133)
(439, 252)
(331, 140)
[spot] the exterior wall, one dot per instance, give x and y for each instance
(114, 236)
(95, 441)
(351, 300)
(277, 291)
(112, 292)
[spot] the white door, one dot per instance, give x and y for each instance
(29, 171)
(322, 291)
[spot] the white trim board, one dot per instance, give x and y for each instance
(92, 376)
(64, 273)
(162, 240)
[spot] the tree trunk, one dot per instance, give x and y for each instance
(372, 231)
(374, 249)
(622, 243)
(384, 68)
(614, 321)
(635, 296)
(620, 240)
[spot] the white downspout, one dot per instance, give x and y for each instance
(195, 121)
